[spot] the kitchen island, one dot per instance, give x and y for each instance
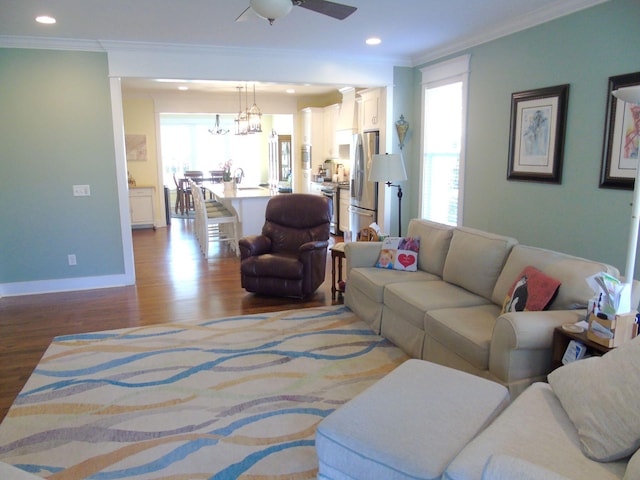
(247, 202)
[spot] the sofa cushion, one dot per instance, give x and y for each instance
(570, 271)
(532, 291)
(412, 299)
(633, 467)
(465, 331)
(475, 260)
(600, 395)
(506, 467)
(371, 281)
(399, 253)
(534, 428)
(434, 244)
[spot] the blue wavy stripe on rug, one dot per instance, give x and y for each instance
(236, 397)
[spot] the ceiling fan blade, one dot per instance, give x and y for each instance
(332, 9)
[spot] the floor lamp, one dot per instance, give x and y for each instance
(389, 168)
(632, 95)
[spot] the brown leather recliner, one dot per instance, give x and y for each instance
(289, 259)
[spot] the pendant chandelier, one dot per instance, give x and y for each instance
(254, 115)
(248, 120)
(242, 122)
(217, 130)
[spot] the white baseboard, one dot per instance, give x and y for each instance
(64, 285)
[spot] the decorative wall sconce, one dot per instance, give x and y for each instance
(402, 127)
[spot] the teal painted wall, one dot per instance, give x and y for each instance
(55, 132)
(583, 50)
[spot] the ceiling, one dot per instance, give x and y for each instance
(412, 31)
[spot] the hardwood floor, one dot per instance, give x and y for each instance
(174, 283)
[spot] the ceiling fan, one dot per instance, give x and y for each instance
(271, 10)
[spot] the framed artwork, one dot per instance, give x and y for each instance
(536, 143)
(621, 134)
(136, 146)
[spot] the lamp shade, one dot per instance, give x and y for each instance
(387, 168)
(628, 94)
(271, 9)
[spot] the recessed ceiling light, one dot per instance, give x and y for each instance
(47, 20)
(290, 90)
(373, 41)
(183, 87)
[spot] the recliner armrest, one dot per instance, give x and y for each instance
(253, 245)
(313, 245)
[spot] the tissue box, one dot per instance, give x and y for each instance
(623, 328)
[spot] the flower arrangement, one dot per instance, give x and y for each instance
(226, 171)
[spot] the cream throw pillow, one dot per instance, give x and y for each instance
(601, 395)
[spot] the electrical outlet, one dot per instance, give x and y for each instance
(81, 191)
(72, 259)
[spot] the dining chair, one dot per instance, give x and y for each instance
(179, 196)
(213, 222)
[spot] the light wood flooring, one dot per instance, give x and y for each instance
(174, 283)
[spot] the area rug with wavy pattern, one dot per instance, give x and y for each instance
(234, 397)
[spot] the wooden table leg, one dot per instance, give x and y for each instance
(337, 253)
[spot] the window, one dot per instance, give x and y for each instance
(444, 89)
(187, 145)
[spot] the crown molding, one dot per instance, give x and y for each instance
(49, 43)
(538, 17)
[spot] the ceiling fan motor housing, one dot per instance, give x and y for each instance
(271, 9)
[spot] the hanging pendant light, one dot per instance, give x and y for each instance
(217, 130)
(242, 123)
(254, 115)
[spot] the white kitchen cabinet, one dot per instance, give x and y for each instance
(370, 110)
(331, 114)
(343, 216)
(316, 188)
(141, 207)
(313, 134)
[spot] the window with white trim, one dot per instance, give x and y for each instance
(444, 94)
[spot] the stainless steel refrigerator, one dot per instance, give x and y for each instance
(363, 210)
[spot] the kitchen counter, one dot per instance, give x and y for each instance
(242, 191)
(247, 202)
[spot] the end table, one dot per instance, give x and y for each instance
(561, 339)
(337, 253)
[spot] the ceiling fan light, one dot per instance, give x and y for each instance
(271, 9)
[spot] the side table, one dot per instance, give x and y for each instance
(561, 339)
(337, 254)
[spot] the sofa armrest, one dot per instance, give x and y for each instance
(521, 343)
(361, 254)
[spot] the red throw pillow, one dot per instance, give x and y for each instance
(532, 291)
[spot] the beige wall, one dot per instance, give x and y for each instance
(140, 119)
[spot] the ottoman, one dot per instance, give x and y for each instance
(408, 425)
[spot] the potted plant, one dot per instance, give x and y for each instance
(227, 179)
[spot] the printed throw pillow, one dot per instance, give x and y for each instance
(532, 291)
(399, 253)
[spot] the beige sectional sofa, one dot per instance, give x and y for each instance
(449, 310)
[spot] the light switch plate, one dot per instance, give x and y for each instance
(81, 191)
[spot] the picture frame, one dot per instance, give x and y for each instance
(136, 147)
(620, 158)
(536, 141)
